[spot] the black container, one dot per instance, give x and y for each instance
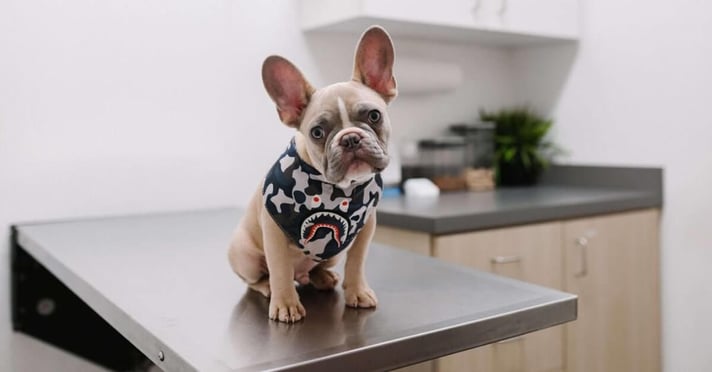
(479, 154)
(442, 160)
(479, 140)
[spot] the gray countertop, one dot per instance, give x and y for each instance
(566, 192)
(164, 283)
(470, 211)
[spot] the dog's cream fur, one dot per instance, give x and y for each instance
(260, 253)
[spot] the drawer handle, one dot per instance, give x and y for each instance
(505, 259)
(510, 340)
(582, 242)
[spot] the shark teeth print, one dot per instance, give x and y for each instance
(338, 225)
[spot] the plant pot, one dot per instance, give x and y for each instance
(516, 174)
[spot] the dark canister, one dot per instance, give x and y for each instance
(479, 154)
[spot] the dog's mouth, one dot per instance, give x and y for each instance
(369, 158)
(319, 224)
(376, 159)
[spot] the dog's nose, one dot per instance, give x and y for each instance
(350, 141)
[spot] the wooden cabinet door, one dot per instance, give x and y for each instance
(612, 263)
(413, 241)
(530, 253)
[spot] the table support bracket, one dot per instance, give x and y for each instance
(44, 308)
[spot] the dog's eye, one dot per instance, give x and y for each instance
(374, 116)
(317, 132)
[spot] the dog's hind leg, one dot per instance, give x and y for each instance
(322, 278)
(248, 261)
(262, 286)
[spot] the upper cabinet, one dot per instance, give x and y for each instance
(494, 22)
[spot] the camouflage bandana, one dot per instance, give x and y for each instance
(321, 218)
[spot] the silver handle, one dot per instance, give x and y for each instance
(510, 340)
(583, 243)
(505, 259)
(503, 8)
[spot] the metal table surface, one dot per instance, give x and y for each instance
(164, 283)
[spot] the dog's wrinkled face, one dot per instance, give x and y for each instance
(344, 126)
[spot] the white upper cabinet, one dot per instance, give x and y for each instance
(556, 18)
(499, 22)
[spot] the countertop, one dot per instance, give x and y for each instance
(565, 192)
(164, 283)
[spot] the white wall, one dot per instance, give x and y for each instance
(116, 107)
(639, 93)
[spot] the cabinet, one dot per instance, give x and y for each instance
(532, 253)
(540, 17)
(505, 22)
(611, 262)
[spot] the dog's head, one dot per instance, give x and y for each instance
(344, 126)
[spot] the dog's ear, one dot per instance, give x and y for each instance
(287, 87)
(373, 63)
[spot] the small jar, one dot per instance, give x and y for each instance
(443, 161)
(479, 154)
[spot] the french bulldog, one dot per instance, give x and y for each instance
(318, 199)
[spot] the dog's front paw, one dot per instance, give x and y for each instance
(286, 308)
(360, 296)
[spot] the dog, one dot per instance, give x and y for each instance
(318, 199)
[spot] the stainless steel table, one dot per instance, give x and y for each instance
(163, 283)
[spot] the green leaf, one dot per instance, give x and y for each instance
(505, 140)
(526, 160)
(509, 154)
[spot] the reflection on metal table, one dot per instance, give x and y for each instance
(163, 283)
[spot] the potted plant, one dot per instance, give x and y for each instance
(521, 151)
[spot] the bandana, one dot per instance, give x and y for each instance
(321, 218)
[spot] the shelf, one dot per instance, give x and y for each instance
(448, 20)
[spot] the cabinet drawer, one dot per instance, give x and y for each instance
(416, 242)
(530, 253)
(541, 351)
